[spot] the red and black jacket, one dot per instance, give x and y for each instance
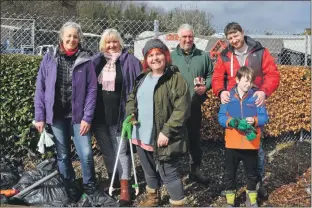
(259, 59)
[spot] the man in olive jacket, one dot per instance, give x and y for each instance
(195, 66)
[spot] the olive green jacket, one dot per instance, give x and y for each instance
(171, 110)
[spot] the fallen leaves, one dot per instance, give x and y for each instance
(293, 194)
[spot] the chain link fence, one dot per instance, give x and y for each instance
(31, 34)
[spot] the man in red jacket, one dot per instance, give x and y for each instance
(244, 51)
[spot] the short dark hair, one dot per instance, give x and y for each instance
(246, 71)
(232, 27)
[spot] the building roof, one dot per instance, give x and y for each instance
(211, 42)
(301, 45)
(274, 44)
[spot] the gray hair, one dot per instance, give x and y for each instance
(110, 32)
(71, 25)
(185, 27)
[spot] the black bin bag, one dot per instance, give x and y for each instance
(10, 171)
(51, 191)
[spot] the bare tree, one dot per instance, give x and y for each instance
(200, 20)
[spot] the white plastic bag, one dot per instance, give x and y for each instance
(45, 139)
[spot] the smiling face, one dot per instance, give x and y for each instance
(112, 45)
(236, 39)
(156, 60)
(70, 38)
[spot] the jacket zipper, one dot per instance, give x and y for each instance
(73, 97)
(232, 61)
(188, 64)
(156, 155)
(56, 64)
(241, 108)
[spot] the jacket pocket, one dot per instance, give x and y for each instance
(176, 147)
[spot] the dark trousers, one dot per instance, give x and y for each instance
(250, 163)
(166, 171)
(193, 125)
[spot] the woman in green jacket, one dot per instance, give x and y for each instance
(160, 102)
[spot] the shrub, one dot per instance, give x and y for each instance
(288, 107)
(18, 77)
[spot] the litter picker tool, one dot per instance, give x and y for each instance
(126, 133)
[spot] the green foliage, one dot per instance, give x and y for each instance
(18, 80)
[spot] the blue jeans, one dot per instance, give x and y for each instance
(261, 161)
(62, 131)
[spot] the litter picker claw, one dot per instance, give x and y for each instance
(126, 133)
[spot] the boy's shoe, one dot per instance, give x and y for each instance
(230, 198)
(251, 198)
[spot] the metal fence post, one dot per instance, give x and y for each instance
(33, 36)
(156, 28)
(301, 135)
(306, 50)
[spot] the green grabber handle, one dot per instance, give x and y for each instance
(126, 133)
(126, 127)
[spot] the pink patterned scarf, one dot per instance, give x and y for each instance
(108, 74)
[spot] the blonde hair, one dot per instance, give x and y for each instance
(110, 33)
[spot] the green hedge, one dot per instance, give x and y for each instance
(288, 106)
(18, 81)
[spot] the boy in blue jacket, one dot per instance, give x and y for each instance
(243, 121)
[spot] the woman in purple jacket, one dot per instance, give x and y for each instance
(116, 70)
(65, 98)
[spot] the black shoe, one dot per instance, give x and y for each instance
(195, 175)
(73, 191)
(85, 201)
(88, 198)
(90, 189)
(92, 197)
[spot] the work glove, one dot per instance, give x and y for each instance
(251, 133)
(234, 123)
(242, 125)
(127, 126)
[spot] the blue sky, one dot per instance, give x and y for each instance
(284, 16)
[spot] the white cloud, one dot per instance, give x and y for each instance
(284, 16)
